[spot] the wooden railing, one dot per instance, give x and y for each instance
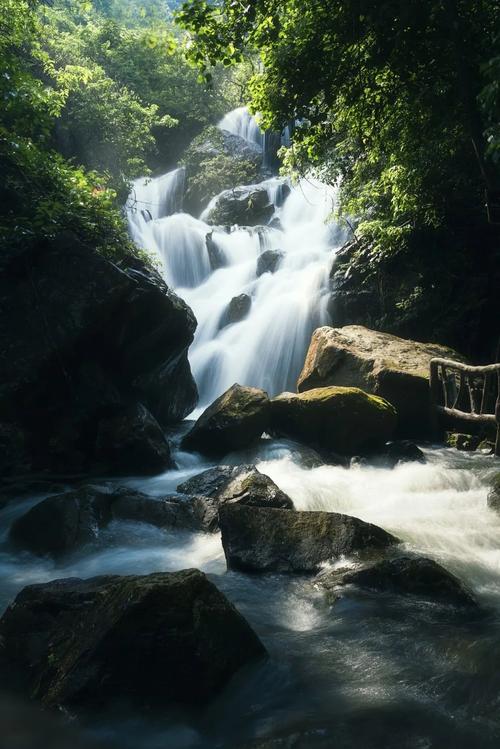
(465, 393)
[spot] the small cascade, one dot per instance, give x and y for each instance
(240, 122)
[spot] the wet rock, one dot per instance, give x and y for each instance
(494, 493)
(237, 309)
(268, 262)
(215, 254)
(393, 368)
(65, 522)
(60, 524)
(246, 206)
(403, 451)
(81, 335)
(14, 452)
(234, 421)
(343, 420)
(145, 640)
(257, 539)
(465, 442)
(132, 442)
(405, 575)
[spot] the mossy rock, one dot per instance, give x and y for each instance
(149, 640)
(234, 421)
(344, 420)
(395, 368)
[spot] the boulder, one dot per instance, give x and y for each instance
(145, 640)
(268, 262)
(81, 336)
(494, 493)
(215, 254)
(234, 421)
(242, 484)
(460, 441)
(258, 539)
(393, 368)
(246, 206)
(406, 575)
(132, 442)
(339, 419)
(63, 523)
(237, 309)
(403, 451)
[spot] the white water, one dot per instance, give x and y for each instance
(267, 348)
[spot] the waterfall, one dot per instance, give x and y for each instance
(209, 266)
(240, 122)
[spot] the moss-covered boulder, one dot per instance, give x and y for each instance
(258, 539)
(394, 368)
(234, 421)
(243, 205)
(146, 640)
(215, 161)
(338, 419)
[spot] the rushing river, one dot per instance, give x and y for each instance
(369, 670)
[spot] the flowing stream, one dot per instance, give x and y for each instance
(368, 671)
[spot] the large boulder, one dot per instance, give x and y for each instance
(244, 205)
(405, 575)
(234, 421)
(258, 539)
(215, 161)
(393, 368)
(339, 419)
(154, 639)
(242, 484)
(80, 337)
(63, 523)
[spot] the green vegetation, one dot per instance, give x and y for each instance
(399, 101)
(93, 95)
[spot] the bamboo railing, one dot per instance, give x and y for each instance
(465, 393)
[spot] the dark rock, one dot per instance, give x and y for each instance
(242, 484)
(79, 336)
(14, 455)
(465, 442)
(257, 539)
(154, 639)
(268, 262)
(343, 420)
(393, 368)
(132, 442)
(215, 254)
(494, 493)
(403, 451)
(60, 524)
(63, 523)
(246, 206)
(233, 421)
(406, 575)
(237, 309)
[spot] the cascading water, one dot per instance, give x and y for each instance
(265, 349)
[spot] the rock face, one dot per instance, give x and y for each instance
(268, 262)
(408, 575)
(81, 339)
(237, 309)
(63, 523)
(494, 493)
(241, 484)
(393, 368)
(257, 539)
(343, 420)
(132, 442)
(246, 206)
(233, 421)
(154, 639)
